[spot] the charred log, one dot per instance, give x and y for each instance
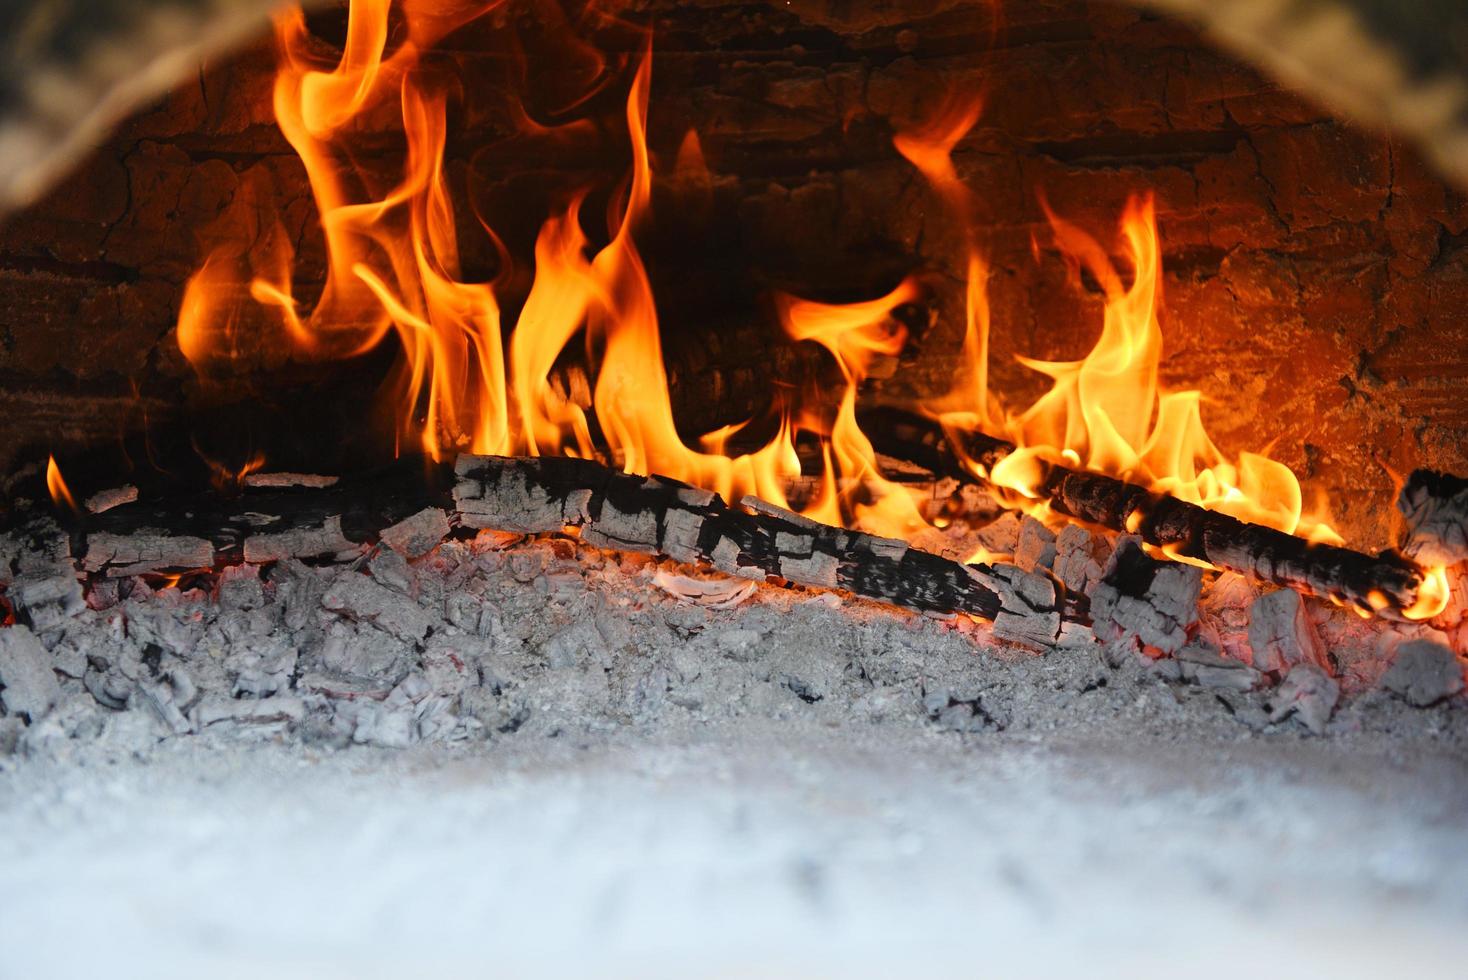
(410, 514)
(1386, 583)
(260, 525)
(658, 516)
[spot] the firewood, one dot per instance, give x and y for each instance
(298, 542)
(113, 497)
(262, 524)
(280, 480)
(145, 551)
(654, 515)
(1385, 584)
(650, 515)
(1144, 603)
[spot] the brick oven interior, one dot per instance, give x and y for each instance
(1314, 269)
(424, 719)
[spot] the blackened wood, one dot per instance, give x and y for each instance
(1387, 583)
(654, 515)
(178, 533)
(661, 516)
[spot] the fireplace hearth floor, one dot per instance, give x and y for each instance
(597, 762)
(747, 848)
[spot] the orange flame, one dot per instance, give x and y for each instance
(228, 477)
(467, 380)
(930, 148)
(1432, 597)
(857, 334)
(393, 267)
(60, 492)
(1109, 413)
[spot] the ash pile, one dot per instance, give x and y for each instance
(438, 632)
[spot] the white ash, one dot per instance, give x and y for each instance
(1029, 616)
(1080, 558)
(506, 636)
(364, 599)
(39, 574)
(105, 500)
(1436, 520)
(1424, 673)
(416, 536)
(1282, 634)
(1001, 536)
(1308, 694)
(28, 685)
(49, 598)
(715, 592)
(1202, 662)
(1034, 550)
(1224, 613)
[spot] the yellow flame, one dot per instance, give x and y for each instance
(1108, 412)
(393, 272)
(857, 334)
(930, 149)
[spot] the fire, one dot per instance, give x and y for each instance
(930, 149)
(1433, 597)
(1109, 413)
(856, 334)
(56, 484)
(228, 477)
(579, 369)
(393, 269)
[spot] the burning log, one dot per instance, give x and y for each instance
(1387, 584)
(654, 515)
(528, 495)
